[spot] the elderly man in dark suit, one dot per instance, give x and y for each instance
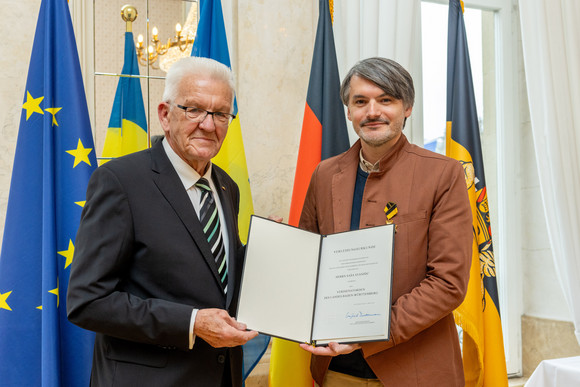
(158, 260)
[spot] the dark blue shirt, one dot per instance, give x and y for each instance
(354, 363)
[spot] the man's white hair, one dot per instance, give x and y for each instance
(194, 65)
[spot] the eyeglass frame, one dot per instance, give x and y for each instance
(207, 112)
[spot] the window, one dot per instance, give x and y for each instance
(434, 53)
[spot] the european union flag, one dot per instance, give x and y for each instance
(127, 132)
(54, 158)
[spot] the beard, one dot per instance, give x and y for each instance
(377, 138)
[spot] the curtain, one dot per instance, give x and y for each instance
(551, 45)
(387, 28)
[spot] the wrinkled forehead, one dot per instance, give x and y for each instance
(201, 87)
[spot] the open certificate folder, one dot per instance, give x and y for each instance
(310, 288)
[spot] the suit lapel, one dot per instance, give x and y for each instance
(230, 222)
(168, 182)
(343, 189)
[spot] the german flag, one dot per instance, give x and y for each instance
(324, 135)
(478, 315)
(324, 132)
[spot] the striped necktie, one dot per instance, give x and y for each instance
(210, 221)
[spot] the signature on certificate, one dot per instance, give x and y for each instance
(360, 314)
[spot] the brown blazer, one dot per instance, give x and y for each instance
(431, 261)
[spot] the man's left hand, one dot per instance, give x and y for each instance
(333, 349)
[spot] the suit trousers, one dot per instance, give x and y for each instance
(227, 378)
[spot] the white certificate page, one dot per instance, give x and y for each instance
(354, 286)
(279, 281)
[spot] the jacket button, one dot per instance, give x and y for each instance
(221, 359)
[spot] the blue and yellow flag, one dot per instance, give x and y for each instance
(53, 162)
(211, 42)
(127, 132)
(478, 315)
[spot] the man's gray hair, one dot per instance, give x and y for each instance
(193, 65)
(387, 74)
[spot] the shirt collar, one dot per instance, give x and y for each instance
(186, 173)
(366, 166)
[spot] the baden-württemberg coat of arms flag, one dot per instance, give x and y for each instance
(52, 165)
(483, 353)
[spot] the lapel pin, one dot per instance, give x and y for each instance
(390, 211)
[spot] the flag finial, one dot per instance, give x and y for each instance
(129, 15)
(331, 7)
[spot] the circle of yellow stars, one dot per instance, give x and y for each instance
(81, 154)
(32, 105)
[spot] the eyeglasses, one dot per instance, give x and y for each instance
(198, 115)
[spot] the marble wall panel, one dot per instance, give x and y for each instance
(274, 44)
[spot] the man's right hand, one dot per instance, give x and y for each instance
(219, 329)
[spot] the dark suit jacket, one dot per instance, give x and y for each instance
(141, 264)
(432, 255)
